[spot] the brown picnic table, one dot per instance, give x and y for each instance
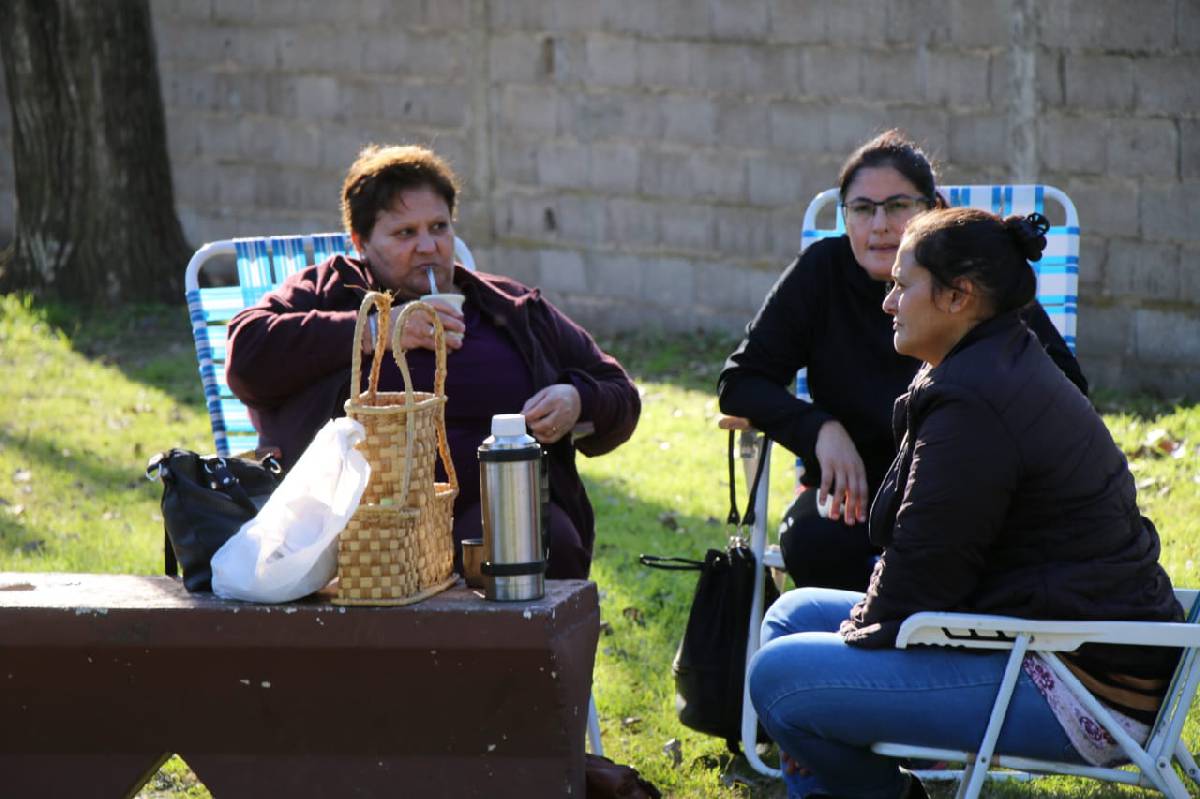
(103, 677)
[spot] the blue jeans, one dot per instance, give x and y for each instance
(825, 702)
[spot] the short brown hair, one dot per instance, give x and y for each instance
(379, 174)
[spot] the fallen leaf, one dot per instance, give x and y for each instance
(674, 750)
(16, 510)
(109, 515)
(22, 476)
(668, 519)
(634, 615)
(1147, 483)
(631, 722)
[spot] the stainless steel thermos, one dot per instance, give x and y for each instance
(510, 490)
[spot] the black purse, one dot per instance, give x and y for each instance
(205, 501)
(710, 664)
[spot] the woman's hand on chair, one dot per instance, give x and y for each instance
(842, 474)
(552, 412)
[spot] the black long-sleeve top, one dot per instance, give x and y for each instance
(826, 313)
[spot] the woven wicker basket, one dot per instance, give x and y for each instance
(399, 547)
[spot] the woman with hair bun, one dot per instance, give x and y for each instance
(1008, 496)
(824, 314)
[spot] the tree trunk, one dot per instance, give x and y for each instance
(95, 208)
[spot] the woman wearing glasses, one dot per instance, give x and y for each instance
(825, 313)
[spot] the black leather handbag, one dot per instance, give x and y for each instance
(206, 499)
(710, 664)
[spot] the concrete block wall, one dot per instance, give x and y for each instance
(648, 162)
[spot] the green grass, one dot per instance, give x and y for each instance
(88, 396)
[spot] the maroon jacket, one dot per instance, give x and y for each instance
(289, 361)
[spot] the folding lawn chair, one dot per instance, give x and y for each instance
(1058, 279)
(263, 263)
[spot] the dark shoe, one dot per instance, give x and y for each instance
(915, 789)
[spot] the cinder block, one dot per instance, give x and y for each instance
(611, 60)
(978, 140)
(562, 270)
(1143, 270)
(1189, 148)
(688, 119)
(1189, 276)
(849, 125)
(958, 79)
(1073, 144)
(596, 115)
(666, 173)
(1169, 211)
(1167, 337)
(1147, 26)
(799, 127)
(613, 168)
(419, 104)
(832, 72)
(746, 233)
(669, 282)
(719, 175)
(528, 108)
(317, 97)
(572, 16)
(1093, 265)
(916, 22)
(686, 227)
(981, 23)
(582, 219)
(563, 164)
(856, 22)
(665, 63)
(525, 217)
(797, 21)
(508, 15)
(743, 124)
(616, 275)
(518, 57)
(436, 55)
(1048, 78)
(775, 181)
(1107, 205)
(241, 92)
(519, 262)
(1167, 85)
(1105, 330)
(927, 126)
(738, 19)
(1188, 31)
(1143, 148)
(893, 74)
(732, 67)
(662, 19)
(632, 222)
(1099, 81)
(447, 14)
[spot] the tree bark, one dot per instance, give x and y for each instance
(95, 216)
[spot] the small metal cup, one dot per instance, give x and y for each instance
(472, 560)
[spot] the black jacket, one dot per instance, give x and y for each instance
(1009, 496)
(826, 313)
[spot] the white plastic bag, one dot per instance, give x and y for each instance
(289, 549)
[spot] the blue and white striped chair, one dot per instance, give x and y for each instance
(1058, 281)
(262, 264)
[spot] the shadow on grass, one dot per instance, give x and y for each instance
(91, 475)
(150, 343)
(646, 611)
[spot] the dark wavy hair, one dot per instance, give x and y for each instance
(380, 174)
(991, 252)
(893, 148)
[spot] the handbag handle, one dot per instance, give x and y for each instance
(670, 564)
(748, 518)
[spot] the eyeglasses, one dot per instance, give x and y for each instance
(897, 208)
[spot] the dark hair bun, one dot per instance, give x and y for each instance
(1029, 232)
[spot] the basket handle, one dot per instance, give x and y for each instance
(439, 376)
(384, 303)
